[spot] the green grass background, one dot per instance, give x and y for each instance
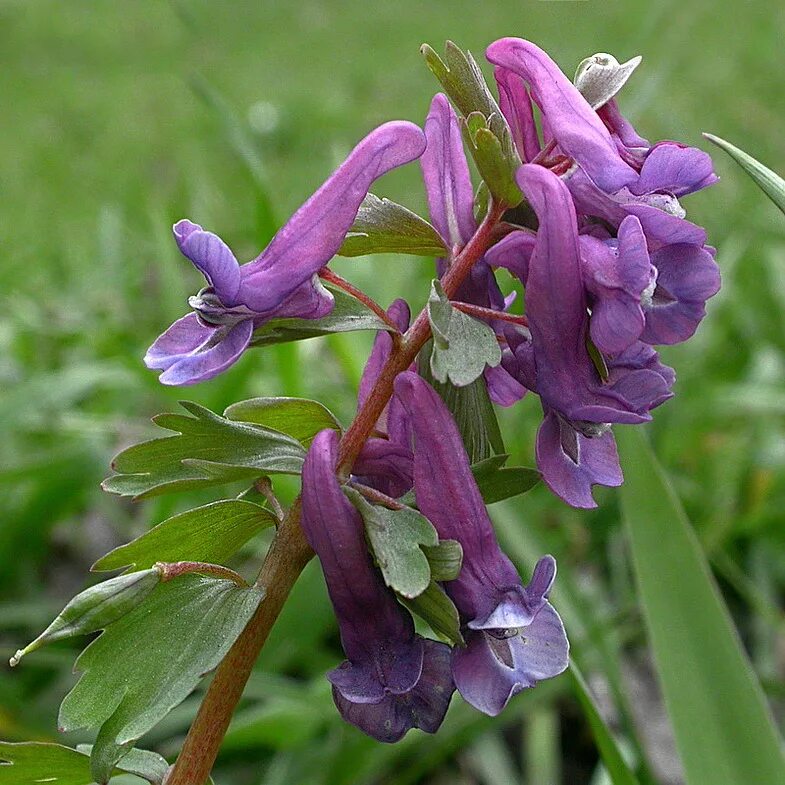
(120, 118)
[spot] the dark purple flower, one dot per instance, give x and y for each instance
(575, 447)
(282, 281)
(516, 106)
(392, 679)
(514, 636)
(451, 203)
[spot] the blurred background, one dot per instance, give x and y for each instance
(120, 119)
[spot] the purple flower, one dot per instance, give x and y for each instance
(392, 679)
(514, 636)
(282, 281)
(575, 447)
(451, 203)
(516, 106)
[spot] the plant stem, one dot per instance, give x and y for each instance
(415, 338)
(327, 274)
(289, 552)
(489, 313)
(284, 562)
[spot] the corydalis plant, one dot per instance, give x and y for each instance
(576, 210)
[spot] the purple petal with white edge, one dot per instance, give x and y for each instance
(687, 276)
(212, 351)
(447, 494)
(448, 185)
(571, 463)
(368, 615)
(424, 706)
(212, 257)
(490, 671)
(574, 124)
(516, 106)
(676, 169)
(313, 235)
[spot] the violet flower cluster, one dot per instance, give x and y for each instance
(609, 267)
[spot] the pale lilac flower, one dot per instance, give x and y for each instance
(282, 281)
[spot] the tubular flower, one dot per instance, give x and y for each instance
(451, 203)
(392, 679)
(282, 281)
(514, 637)
(575, 447)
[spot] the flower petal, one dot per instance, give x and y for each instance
(212, 257)
(574, 124)
(516, 106)
(446, 174)
(676, 169)
(313, 235)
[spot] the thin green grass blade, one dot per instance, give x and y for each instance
(722, 725)
(769, 182)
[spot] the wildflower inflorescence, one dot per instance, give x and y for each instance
(597, 240)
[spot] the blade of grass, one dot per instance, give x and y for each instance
(722, 725)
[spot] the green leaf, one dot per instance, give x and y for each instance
(149, 661)
(148, 765)
(32, 763)
(209, 450)
(617, 768)
(497, 482)
(348, 314)
(396, 537)
(768, 181)
(721, 723)
(437, 609)
(462, 345)
(95, 608)
(445, 559)
(212, 533)
(494, 152)
(492, 160)
(299, 418)
(472, 411)
(383, 226)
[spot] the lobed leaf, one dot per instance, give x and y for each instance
(212, 533)
(208, 450)
(383, 226)
(299, 418)
(396, 538)
(33, 762)
(768, 181)
(348, 314)
(721, 722)
(462, 345)
(148, 662)
(492, 160)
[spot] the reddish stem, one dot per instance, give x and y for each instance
(376, 496)
(328, 275)
(171, 570)
(489, 313)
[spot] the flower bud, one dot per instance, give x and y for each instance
(96, 608)
(601, 76)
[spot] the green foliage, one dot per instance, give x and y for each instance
(403, 542)
(618, 770)
(299, 418)
(705, 675)
(768, 181)
(209, 450)
(34, 762)
(191, 621)
(383, 226)
(212, 533)
(498, 482)
(486, 130)
(96, 608)
(462, 345)
(435, 607)
(348, 315)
